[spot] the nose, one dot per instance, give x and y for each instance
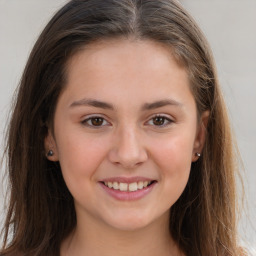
(128, 150)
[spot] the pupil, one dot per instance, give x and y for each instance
(159, 120)
(97, 121)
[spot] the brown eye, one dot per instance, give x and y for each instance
(159, 120)
(97, 121)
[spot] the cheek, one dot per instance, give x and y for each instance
(79, 159)
(80, 156)
(173, 150)
(173, 158)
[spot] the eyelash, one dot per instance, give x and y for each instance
(166, 119)
(89, 119)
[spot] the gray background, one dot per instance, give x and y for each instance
(230, 26)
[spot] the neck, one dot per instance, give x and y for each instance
(93, 239)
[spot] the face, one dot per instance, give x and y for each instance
(125, 132)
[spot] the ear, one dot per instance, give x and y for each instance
(200, 136)
(50, 146)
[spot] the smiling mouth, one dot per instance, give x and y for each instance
(128, 187)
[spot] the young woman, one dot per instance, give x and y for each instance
(119, 142)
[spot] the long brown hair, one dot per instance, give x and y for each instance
(41, 210)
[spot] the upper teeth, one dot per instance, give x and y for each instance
(127, 186)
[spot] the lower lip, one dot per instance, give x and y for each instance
(128, 196)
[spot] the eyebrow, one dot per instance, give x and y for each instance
(105, 105)
(92, 103)
(161, 103)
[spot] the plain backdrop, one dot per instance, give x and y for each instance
(229, 25)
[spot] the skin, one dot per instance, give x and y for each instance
(128, 142)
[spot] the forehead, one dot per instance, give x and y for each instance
(125, 68)
(141, 52)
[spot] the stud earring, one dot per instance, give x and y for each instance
(198, 154)
(50, 153)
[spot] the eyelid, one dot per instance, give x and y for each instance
(166, 117)
(89, 117)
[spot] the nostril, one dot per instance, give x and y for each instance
(128, 153)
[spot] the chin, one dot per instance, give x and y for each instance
(129, 222)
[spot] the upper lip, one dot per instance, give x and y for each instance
(126, 179)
